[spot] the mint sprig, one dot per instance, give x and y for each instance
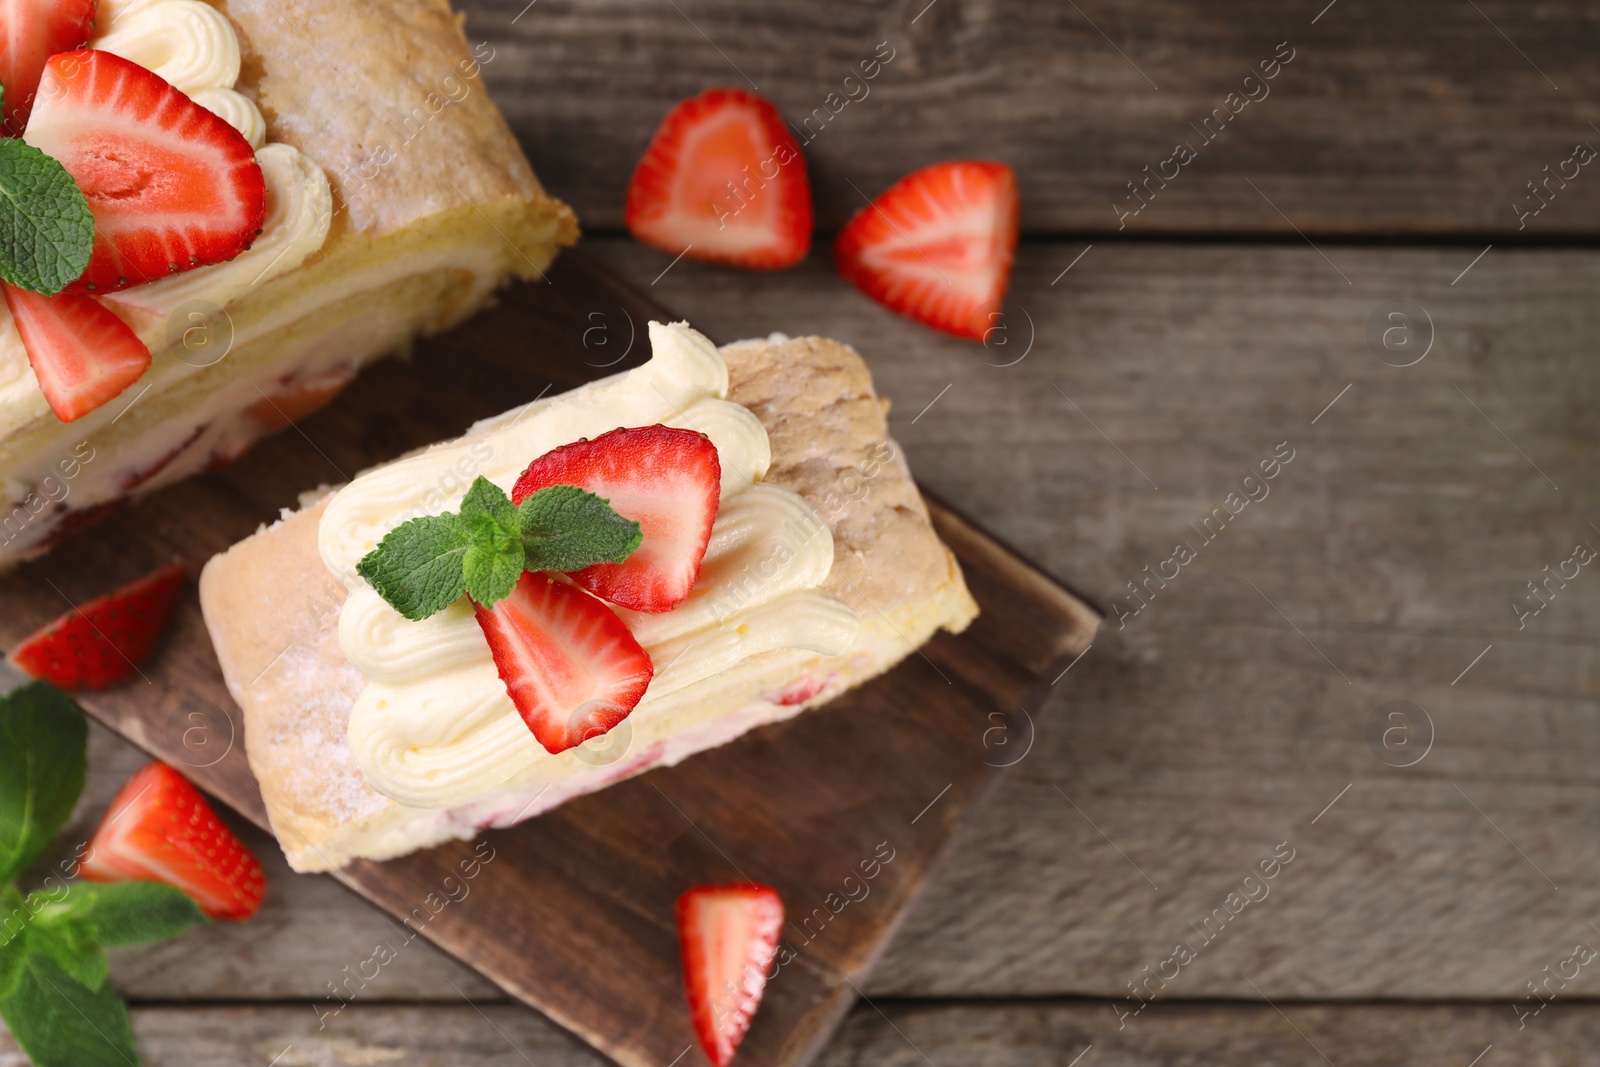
(495, 556)
(43, 739)
(54, 996)
(61, 1023)
(46, 228)
(423, 566)
(123, 913)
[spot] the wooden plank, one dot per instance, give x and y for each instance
(572, 912)
(1425, 119)
(905, 1034)
(1208, 730)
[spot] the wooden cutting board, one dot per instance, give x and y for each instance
(843, 809)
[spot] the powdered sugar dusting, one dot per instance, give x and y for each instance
(321, 763)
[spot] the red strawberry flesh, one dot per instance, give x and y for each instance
(171, 185)
(82, 354)
(570, 665)
(102, 641)
(666, 479)
(160, 829)
(31, 31)
(727, 936)
(723, 180)
(937, 246)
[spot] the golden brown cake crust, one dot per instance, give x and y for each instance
(830, 444)
(284, 666)
(388, 98)
(294, 728)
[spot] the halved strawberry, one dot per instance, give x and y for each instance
(727, 935)
(82, 354)
(160, 829)
(666, 479)
(31, 31)
(572, 668)
(937, 245)
(171, 185)
(723, 180)
(102, 641)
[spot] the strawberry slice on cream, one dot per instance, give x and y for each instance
(171, 185)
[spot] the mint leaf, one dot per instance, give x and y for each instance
(60, 1023)
(492, 566)
(417, 567)
(424, 565)
(13, 915)
(127, 913)
(43, 745)
(12, 957)
(494, 560)
(46, 229)
(12, 947)
(565, 528)
(72, 947)
(486, 502)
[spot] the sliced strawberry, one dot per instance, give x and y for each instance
(160, 829)
(727, 935)
(723, 180)
(102, 641)
(31, 31)
(171, 185)
(667, 480)
(572, 668)
(937, 245)
(82, 354)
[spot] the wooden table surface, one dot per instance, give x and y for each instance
(1441, 860)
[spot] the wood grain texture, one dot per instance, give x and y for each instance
(572, 912)
(1423, 118)
(1218, 723)
(905, 1034)
(1209, 729)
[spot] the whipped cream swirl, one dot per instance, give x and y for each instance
(434, 727)
(191, 45)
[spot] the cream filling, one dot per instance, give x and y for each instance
(404, 830)
(299, 209)
(273, 314)
(434, 727)
(193, 46)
